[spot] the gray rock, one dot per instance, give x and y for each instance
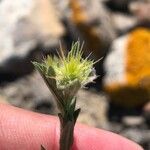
(141, 10)
(29, 92)
(123, 22)
(63, 7)
(137, 135)
(23, 26)
(115, 62)
(91, 22)
(119, 5)
(3, 100)
(133, 121)
(146, 113)
(93, 109)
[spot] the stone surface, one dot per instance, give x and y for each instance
(115, 62)
(123, 22)
(24, 25)
(63, 7)
(127, 69)
(141, 10)
(133, 121)
(147, 107)
(29, 92)
(3, 100)
(146, 113)
(91, 22)
(139, 136)
(119, 5)
(93, 109)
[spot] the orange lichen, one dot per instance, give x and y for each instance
(78, 13)
(138, 56)
(136, 90)
(81, 20)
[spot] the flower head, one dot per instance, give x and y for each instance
(70, 69)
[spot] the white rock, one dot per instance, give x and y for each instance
(115, 63)
(24, 24)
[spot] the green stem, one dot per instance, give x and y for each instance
(67, 123)
(66, 136)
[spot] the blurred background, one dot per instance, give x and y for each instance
(116, 30)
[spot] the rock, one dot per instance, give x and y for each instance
(123, 22)
(115, 127)
(119, 5)
(147, 107)
(24, 25)
(127, 69)
(146, 113)
(141, 10)
(139, 136)
(3, 100)
(63, 7)
(93, 109)
(91, 22)
(29, 92)
(133, 121)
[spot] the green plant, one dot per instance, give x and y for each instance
(64, 76)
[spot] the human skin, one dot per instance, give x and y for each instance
(24, 130)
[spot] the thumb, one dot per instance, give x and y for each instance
(25, 130)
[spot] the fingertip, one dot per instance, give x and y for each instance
(21, 129)
(88, 138)
(26, 130)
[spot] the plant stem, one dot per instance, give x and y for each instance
(66, 136)
(67, 123)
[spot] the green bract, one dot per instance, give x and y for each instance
(69, 70)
